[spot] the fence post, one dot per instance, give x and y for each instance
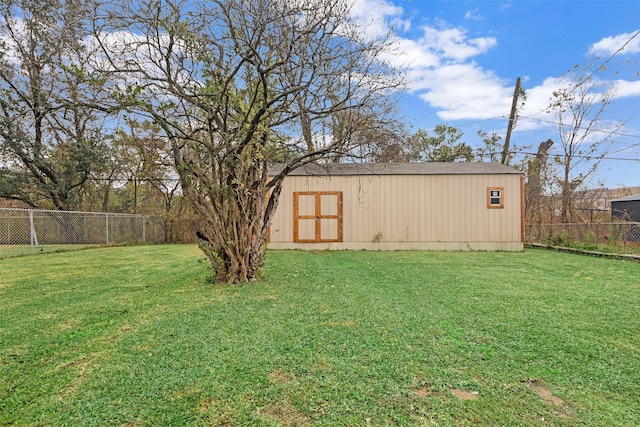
(34, 237)
(106, 216)
(144, 229)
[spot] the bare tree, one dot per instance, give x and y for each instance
(50, 139)
(585, 134)
(537, 180)
(236, 84)
(375, 140)
(143, 160)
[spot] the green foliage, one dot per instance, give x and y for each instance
(491, 148)
(590, 240)
(51, 140)
(213, 253)
(57, 175)
(440, 145)
(559, 239)
(326, 338)
(613, 243)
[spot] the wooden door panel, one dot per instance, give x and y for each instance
(307, 205)
(307, 230)
(329, 205)
(329, 229)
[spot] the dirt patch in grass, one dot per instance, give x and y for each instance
(286, 414)
(214, 412)
(544, 393)
(280, 377)
(423, 389)
(464, 395)
(423, 392)
(207, 404)
(321, 366)
(426, 390)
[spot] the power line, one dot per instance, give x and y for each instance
(581, 157)
(607, 61)
(467, 123)
(580, 127)
(480, 121)
(625, 148)
(601, 67)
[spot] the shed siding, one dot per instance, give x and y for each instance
(445, 212)
(628, 210)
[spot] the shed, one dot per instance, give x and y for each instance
(626, 208)
(405, 206)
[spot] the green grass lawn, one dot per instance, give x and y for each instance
(135, 336)
(8, 251)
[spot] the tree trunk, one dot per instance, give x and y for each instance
(566, 197)
(235, 245)
(534, 188)
(236, 210)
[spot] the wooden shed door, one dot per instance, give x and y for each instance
(317, 216)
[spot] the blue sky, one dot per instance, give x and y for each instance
(464, 57)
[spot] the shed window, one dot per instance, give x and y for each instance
(495, 197)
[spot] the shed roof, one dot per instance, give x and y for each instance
(430, 168)
(632, 198)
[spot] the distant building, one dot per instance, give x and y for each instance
(595, 204)
(626, 208)
(601, 198)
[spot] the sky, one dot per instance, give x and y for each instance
(463, 59)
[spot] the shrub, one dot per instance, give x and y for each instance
(559, 239)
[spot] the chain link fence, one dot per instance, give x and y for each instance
(622, 236)
(36, 228)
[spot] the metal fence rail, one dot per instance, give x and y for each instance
(620, 234)
(41, 227)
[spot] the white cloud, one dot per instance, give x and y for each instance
(453, 44)
(440, 65)
(473, 15)
(412, 54)
(378, 16)
(625, 89)
(443, 67)
(534, 114)
(539, 97)
(465, 91)
(610, 45)
(8, 43)
(442, 73)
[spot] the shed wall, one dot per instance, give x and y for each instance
(628, 210)
(440, 212)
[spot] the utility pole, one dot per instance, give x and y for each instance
(512, 119)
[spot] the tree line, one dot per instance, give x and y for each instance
(180, 107)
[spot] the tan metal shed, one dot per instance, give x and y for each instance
(412, 206)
